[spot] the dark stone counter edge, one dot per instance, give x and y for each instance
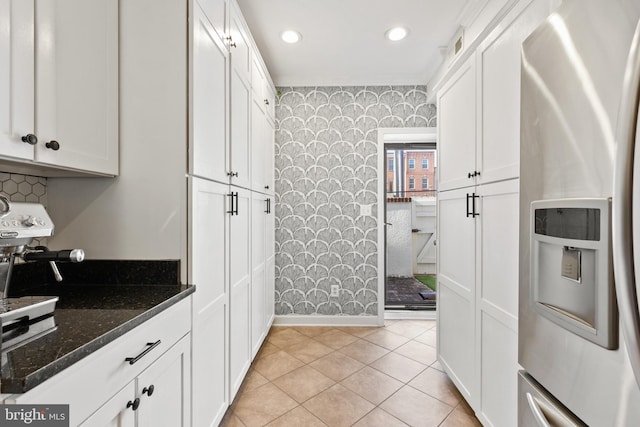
(23, 385)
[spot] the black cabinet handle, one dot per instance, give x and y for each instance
(53, 145)
(30, 139)
(150, 346)
(148, 390)
(468, 197)
(231, 199)
(470, 175)
(474, 213)
(266, 187)
(232, 174)
(134, 405)
(473, 175)
(236, 210)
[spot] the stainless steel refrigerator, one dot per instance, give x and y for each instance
(579, 322)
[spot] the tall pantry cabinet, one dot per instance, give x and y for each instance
(479, 140)
(231, 158)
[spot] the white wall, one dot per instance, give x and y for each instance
(141, 214)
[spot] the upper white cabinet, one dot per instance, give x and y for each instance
(457, 129)
(499, 91)
(77, 84)
(216, 13)
(73, 93)
(16, 78)
(209, 155)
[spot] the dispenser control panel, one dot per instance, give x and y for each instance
(571, 267)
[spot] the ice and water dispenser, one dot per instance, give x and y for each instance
(572, 277)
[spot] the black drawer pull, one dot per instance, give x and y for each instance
(150, 346)
(134, 405)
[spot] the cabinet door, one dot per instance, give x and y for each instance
(497, 301)
(164, 388)
(269, 157)
(457, 129)
(77, 84)
(456, 289)
(258, 146)
(208, 270)
(16, 77)
(239, 45)
(216, 12)
(499, 79)
(115, 412)
(240, 152)
(240, 289)
(209, 154)
(270, 273)
(259, 214)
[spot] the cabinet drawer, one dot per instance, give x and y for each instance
(87, 384)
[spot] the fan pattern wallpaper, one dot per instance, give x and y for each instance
(326, 168)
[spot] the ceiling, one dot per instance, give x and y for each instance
(343, 42)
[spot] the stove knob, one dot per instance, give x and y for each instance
(29, 222)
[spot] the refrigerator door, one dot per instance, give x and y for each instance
(537, 408)
(626, 202)
(573, 68)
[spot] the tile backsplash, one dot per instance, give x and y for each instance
(24, 188)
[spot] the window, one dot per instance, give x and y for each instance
(390, 164)
(425, 163)
(412, 163)
(412, 183)
(425, 183)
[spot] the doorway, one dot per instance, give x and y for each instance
(407, 206)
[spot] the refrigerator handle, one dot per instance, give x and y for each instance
(621, 223)
(537, 412)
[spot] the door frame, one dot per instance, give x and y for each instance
(386, 135)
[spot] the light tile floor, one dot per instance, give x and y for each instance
(343, 376)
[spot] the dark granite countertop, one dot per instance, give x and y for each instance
(88, 315)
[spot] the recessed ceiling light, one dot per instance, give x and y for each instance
(396, 34)
(291, 36)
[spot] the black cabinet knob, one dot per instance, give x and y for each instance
(266, 101)
(134, 405)
(53, 145)
(470, 175)
(30, 139)
(148, 390)
(232, 174)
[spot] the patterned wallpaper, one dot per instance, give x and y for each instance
(326, 168)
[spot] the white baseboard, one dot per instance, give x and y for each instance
(410, 314)
(319, 320)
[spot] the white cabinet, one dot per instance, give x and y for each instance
(479, 106)
(477, 296)
(262, 130)
(262, 268)
(457, 129)
(161, 346)
(499, 91)
(73, 93)
(240, 83)
(457, 289)
(208, 270)
(158, 396)
(239, 287)
(209, 154)
(216, 13)
(16, 77)
(497, 302)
